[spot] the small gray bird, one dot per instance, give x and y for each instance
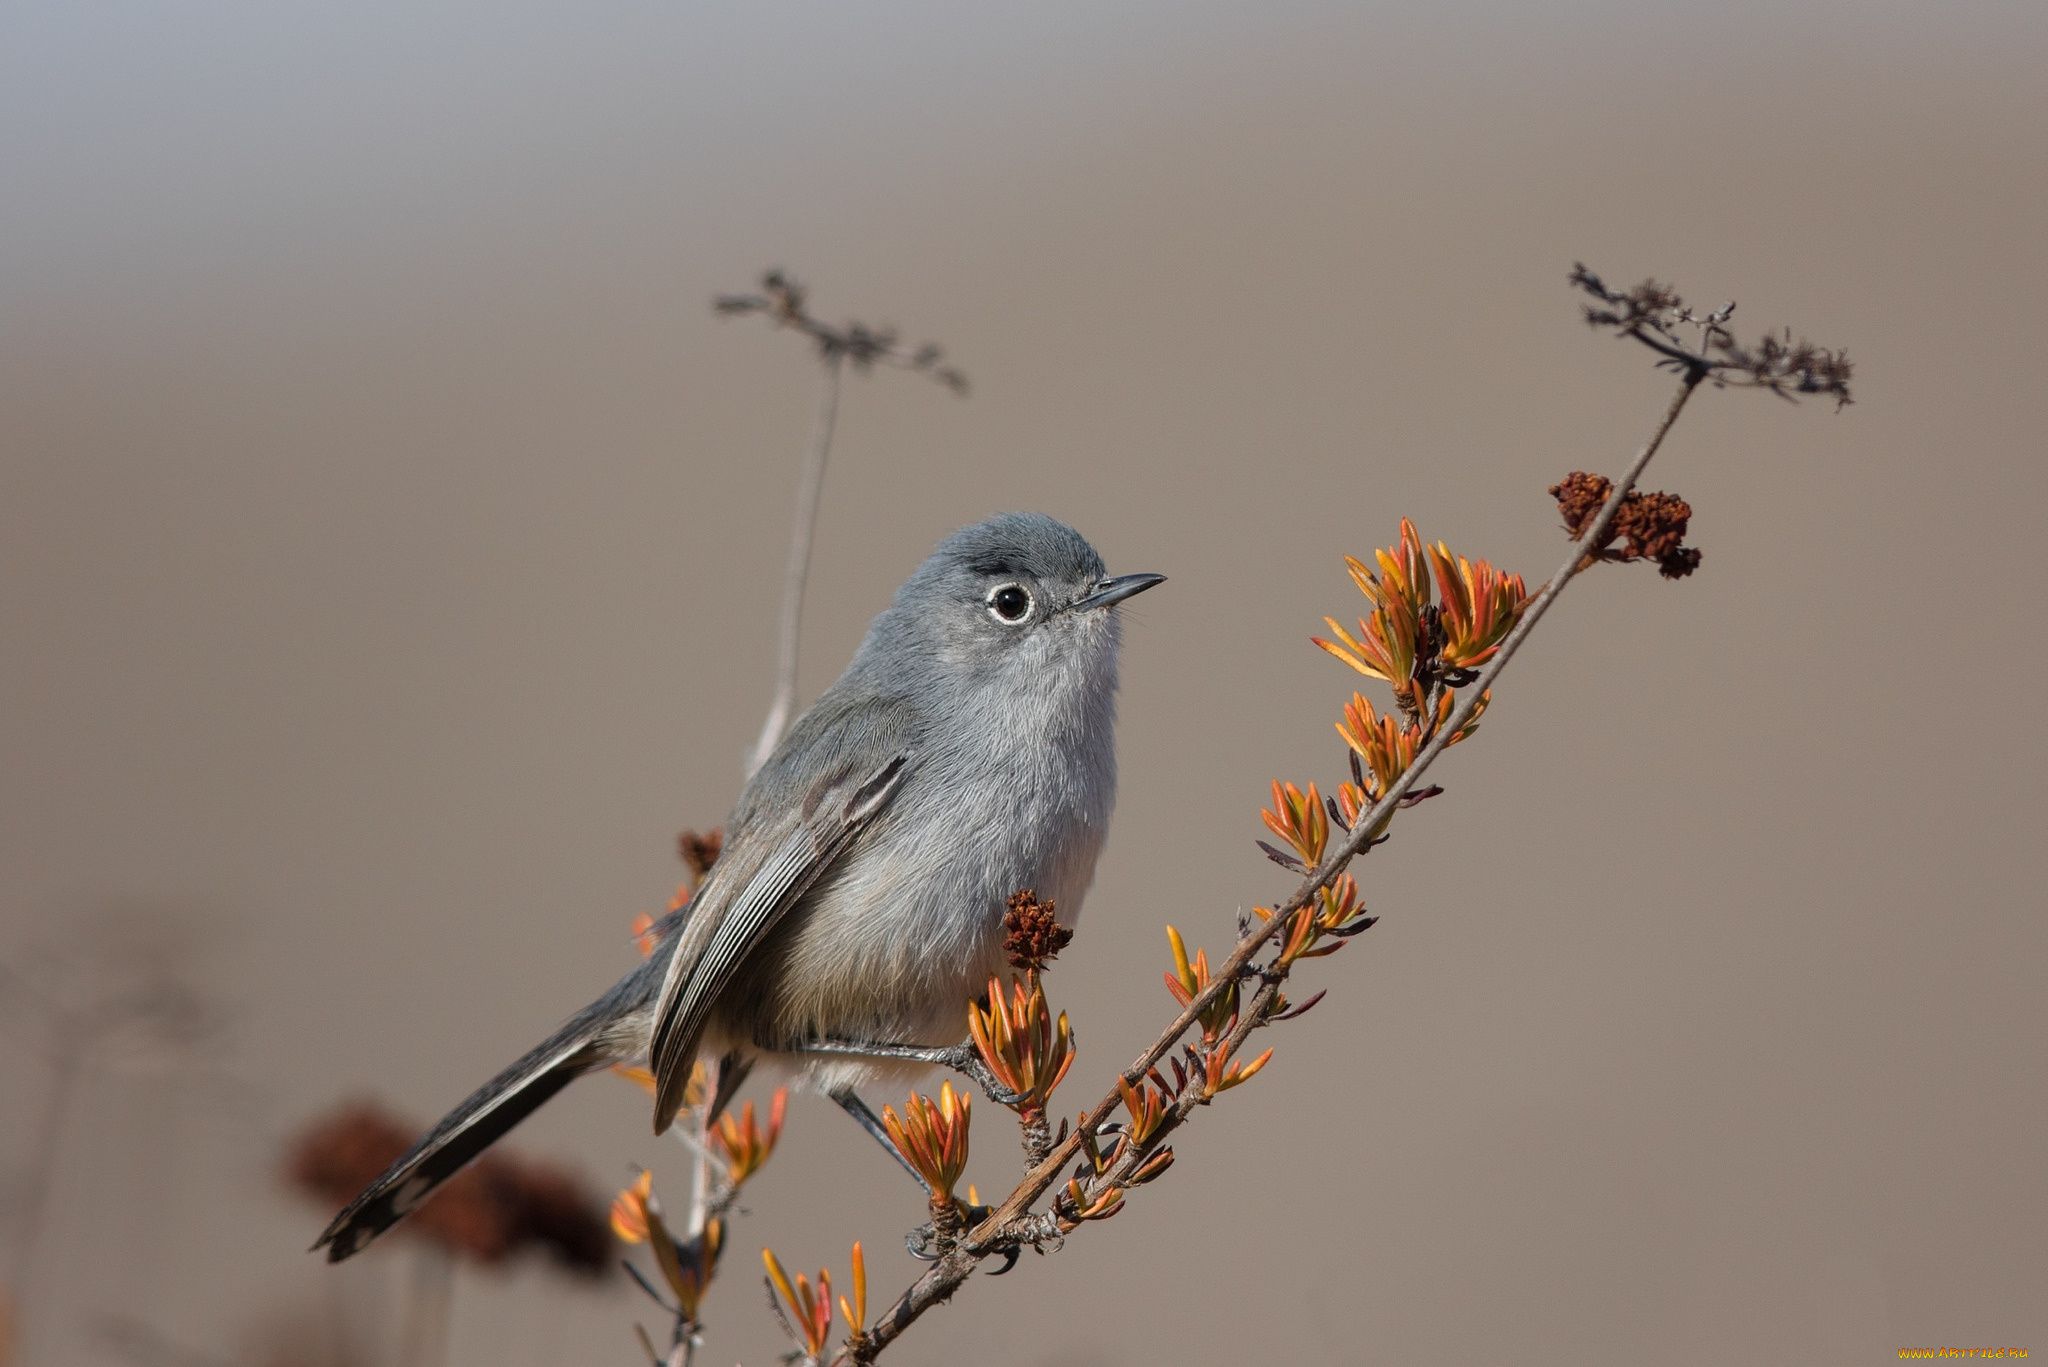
(968, 752)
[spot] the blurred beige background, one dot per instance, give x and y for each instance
(389, 538)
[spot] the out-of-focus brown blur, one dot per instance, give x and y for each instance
(390, 538)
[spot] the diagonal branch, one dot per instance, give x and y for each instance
(1010, 1222)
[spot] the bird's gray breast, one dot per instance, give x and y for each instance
(1014, 791)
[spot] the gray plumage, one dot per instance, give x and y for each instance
(968, 751)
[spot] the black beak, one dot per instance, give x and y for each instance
(1115, 591)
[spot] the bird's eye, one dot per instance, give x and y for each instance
(1010, 603)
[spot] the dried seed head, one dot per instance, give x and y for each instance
(1579, 498)
(700, 852)
(1702, 344)
(1032, 938)
(1651, 526)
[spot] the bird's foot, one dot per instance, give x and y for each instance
(936, 1237)
(930, 1241)
(962, 1058)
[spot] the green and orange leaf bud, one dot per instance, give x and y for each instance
(1383, 649)
(1387, 640)
(1480, 606)
(1190, 978)
(1299, 936)
(1148, 1109)
(1021, 1043)
(629, 1210)
(1471, 725)
(1406, 641)
(1299, 819)
(687, 1268)
(1403, 570)
(809, 1317)
(1337, 910)
(856, 1314)
(1152, 1167)
(692, 1275)
(1097, 1161)
(1221, 1072)
(932, 1137)
(742, 1143)
(1339, 901)
(1078, 1207)
(1386, 746)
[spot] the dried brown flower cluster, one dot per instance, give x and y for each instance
(1652, 526)
(498, 1207)
(700, 852)
(1032, 934)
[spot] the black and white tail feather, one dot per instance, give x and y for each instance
(584, 1044)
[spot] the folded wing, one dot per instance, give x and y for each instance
(827, 822)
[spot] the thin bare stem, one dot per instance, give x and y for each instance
(67, 1066)
(700, 1171)
(424, 1342)
(143, 1344)
(1010, 1221)
(810, 485)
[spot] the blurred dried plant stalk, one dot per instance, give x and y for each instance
(122, 1002)
(1657, 316)
(786, 304)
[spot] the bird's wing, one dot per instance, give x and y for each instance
(828, 819)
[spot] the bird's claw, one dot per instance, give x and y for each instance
(962, 1058)
(966, 1060)
(921, 1241)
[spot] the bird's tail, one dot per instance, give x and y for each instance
(460, 1138)
(586, 1042)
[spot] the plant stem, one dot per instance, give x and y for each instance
(810, 484)
(425, 1339)
(1037, 1139)
(67, 1067)
(700, 1175)
(945, 1214)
